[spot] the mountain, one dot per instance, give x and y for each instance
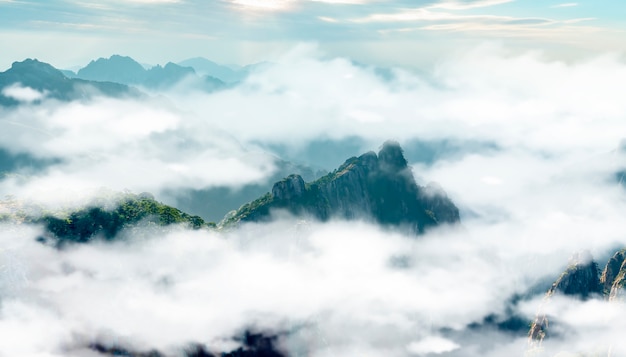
(68, 73)
(214, 203)
(123, 69)
(581, 280)
(167, 76)
(117, 68)
(11, 162)
(252, 345)
(378, 187)
(105, 218)
(52, 83)
(329, 153)
(613, 277)
(203, 66)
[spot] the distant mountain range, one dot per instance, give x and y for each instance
(32, 81)
(52, 83)
(126, 70)
(205, 67)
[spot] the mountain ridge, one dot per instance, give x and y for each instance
(378, 187)
(52, 83)
(124, 69)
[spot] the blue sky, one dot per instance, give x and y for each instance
(401, 32)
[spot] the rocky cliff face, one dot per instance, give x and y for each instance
(581, 280)
(372, 186)
(613, 268)
(290, 188)
(615, 277)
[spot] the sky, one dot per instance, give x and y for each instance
(411, 33)
(540, 82)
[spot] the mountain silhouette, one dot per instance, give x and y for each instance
(52, 83)
(123, 69)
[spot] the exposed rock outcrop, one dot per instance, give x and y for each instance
(612, 270)
(104, 217)
(373, 186)
(580, 280)
(290, 188)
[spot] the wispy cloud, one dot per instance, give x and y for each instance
(465, 5)
(328, 19)
(23, 94)
(154, 2)
(263, 5)
(425, 14)
(343, 1)
(433, 19)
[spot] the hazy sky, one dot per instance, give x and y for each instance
(69, 33)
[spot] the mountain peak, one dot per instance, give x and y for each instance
(117, 68)
(374, 187)
(580, 279)
(44, 78)
(391, 156)
(32, 66)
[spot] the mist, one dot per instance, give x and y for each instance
(539, 186)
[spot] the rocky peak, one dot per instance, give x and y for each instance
(369, 160)
(612, 270)
(120, 69)
(615, 278)
(288, 188)
(580, 279)
(391, 157)
(379, 187)
(33, 66)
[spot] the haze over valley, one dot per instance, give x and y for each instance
(295, 178)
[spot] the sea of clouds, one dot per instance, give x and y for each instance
(336, 288)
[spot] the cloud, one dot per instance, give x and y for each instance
(355, 2)
(306, 96)
(427, 19)
(432, 345)
(22, 94)
(340, 288)
(465, 5)
(123, 144)
(155, 1)
(263, 5)
(210, 141)
(595, 322)
(327, 289)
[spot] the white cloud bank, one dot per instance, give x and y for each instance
(546, 192)
(22, 94)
